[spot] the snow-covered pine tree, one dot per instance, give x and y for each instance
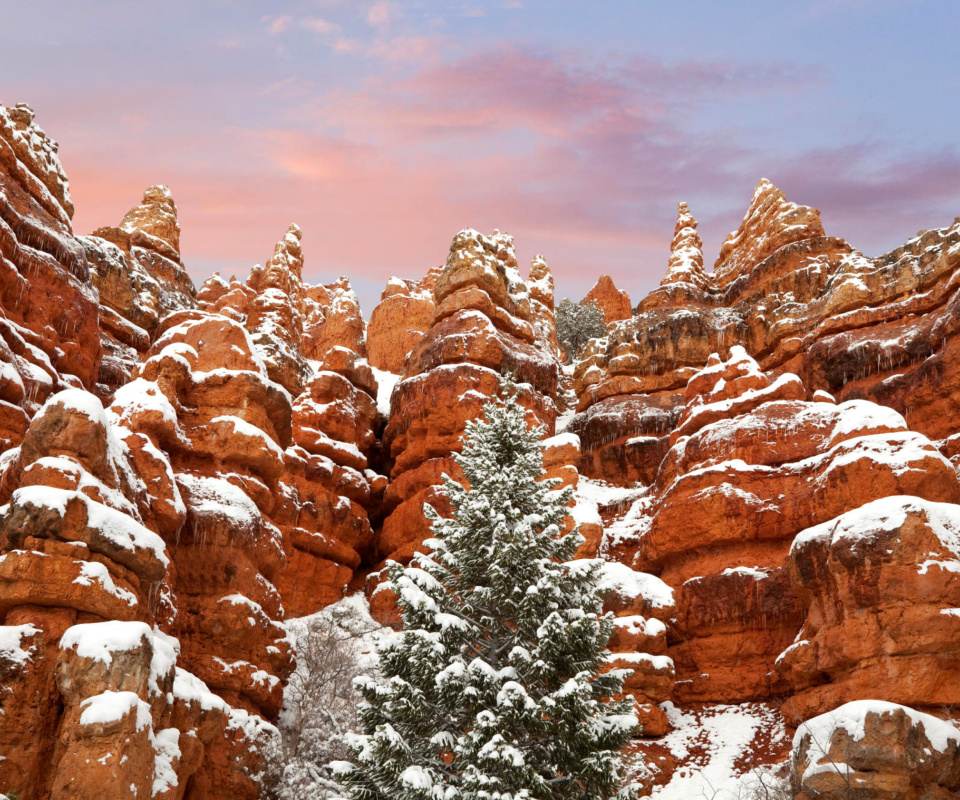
(492, 689)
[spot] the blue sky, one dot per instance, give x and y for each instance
(381, 128)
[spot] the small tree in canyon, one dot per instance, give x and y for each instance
(492, 689)
(577, 324)
(320, 704)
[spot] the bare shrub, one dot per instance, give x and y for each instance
(320, 704)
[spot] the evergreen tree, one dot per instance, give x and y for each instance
(492, 689)
(577, 324)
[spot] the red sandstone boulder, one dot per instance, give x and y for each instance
(869, 748)
(880, 593)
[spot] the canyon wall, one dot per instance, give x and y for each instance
(765, 455)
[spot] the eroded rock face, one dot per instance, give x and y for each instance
(882, 329)
(878, 750)
(398, 323)
(482, 328)
(48, 329)
(137, 271)
(614, 303)
(879, 587)
(183, 514)
(753, 462)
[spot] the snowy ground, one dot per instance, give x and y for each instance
(714, 752)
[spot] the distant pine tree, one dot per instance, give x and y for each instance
(492, 689)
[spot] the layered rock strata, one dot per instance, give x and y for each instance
(146, 548)
(754, 461)
(137, 272)
(49, 337)
(882, 329)
(482, 329)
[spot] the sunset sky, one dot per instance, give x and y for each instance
(382, 128)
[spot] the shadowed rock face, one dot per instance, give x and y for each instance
(181, 471)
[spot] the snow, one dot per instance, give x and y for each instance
(625, 582)
(94, 572)
(98, 641)
(166, 649)
(562, 440)
(757, 573)
(386, 381)
(590, 495)
(11, 643)
(851, 718)
(77, 400)
(886, 515)
(244, 428)
(167, 747)
(416, 778)
(115, 526)
(709, 743)
(658, 663)
(638, 625)
(220, 499)
(140, 396)
(109, 706)
(189, 688)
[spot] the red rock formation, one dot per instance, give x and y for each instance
(882, 329)
(398, 323)
(540, 284)
(137, 271)
(879, 585)
(641, 604)
(482, 329)
(770, 223)
(753, 463)
(48, 329)
(876, 749)
(614, 303)
(176, 509)
(309, 339)
(90, 518)
(686, 253)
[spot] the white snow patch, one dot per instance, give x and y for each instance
(98, 641)
(11, 643)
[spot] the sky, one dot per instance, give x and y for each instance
(382, 128)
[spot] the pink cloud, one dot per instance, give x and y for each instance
(581, 160)
(277, 25)
(380, 14)
(318, 25)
